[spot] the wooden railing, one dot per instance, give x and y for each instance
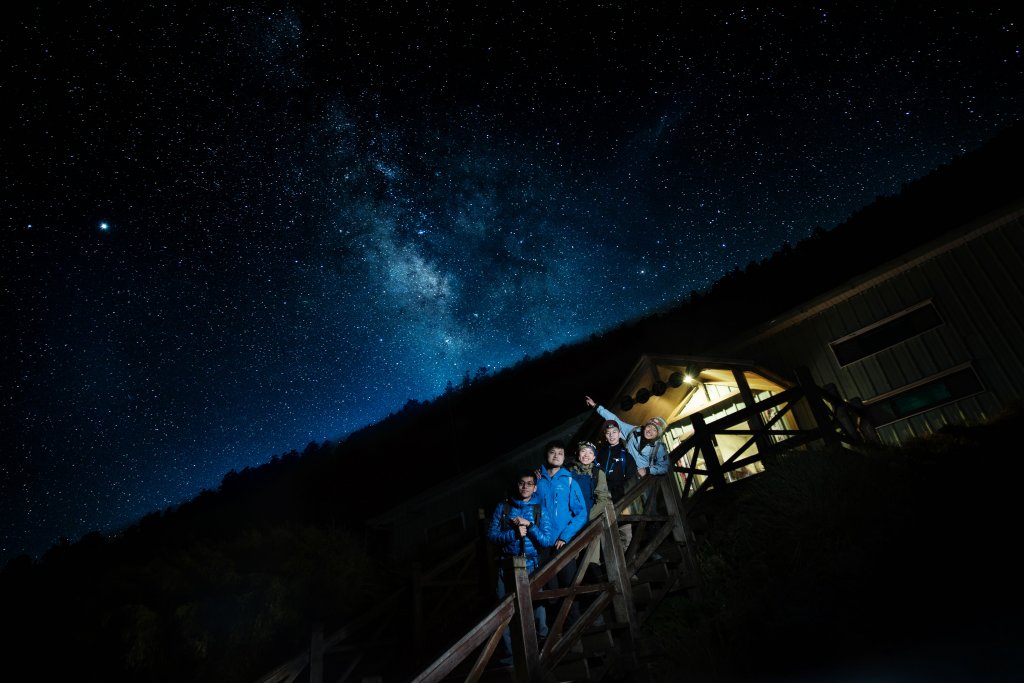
(630, 581)
(762, 420)
(653, 534)
(607, 594)
(348, 647)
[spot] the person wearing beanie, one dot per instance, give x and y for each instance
(591, 478)
(586, 472)
(643, 442)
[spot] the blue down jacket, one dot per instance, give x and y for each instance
(506, 538)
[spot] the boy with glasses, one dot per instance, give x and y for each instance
(517, 528)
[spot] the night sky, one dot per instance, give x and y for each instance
(232, 231)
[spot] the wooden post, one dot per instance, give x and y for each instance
(523, 629)
(817, 404)
(756, 423)
(681, 532)
(618, 573)
(707, 449)
(487, 568)
(316, 654)
(417, 610)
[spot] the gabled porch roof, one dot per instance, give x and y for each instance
(662, 385)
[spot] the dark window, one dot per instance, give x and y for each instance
(924, 396)
(890, 332)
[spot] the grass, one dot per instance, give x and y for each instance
(891, 564)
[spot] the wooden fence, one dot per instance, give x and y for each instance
(615, 585)
(603, 588)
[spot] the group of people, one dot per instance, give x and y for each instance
(551, 504)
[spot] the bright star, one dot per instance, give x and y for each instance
(104, 226)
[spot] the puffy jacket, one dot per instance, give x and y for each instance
(506, 537)
(564, 507)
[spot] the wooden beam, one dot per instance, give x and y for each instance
(524, 629)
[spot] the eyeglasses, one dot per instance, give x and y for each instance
(527, 484)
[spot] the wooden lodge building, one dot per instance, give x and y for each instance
(930, 332)
(933, 337)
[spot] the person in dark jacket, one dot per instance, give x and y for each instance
(619, 467)
(518, 527)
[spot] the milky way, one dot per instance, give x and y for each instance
(234, 231)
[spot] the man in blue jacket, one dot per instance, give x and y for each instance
(564, 509)
(518, 527)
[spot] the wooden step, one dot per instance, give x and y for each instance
(653, 572)
(601, 641)
(572, 670)
(503, 674)
(671, 551)
(642, 593)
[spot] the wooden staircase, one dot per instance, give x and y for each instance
(615, 588)
(659, 560)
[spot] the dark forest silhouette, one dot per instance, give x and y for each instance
(225, 585)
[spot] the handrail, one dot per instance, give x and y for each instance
(381, 611)
(600, 538)
(784, 439)
(489, 629)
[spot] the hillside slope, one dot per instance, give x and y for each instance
(236, 574)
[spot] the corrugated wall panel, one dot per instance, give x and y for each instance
(978, 292)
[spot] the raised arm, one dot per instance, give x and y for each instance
(624, 427)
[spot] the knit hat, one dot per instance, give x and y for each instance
(609, 423)
(586, 444)
(658, 423)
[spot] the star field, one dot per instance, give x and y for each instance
(234, 230)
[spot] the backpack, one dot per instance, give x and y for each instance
(595, 474)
